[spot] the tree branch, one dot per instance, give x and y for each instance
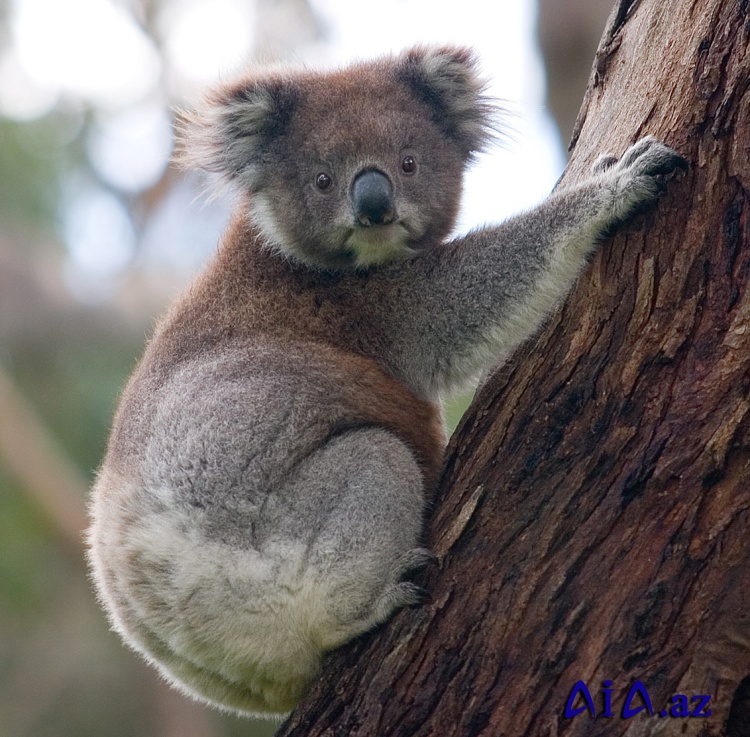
(36, 459)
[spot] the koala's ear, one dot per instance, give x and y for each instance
(230, 132)
(446, 78)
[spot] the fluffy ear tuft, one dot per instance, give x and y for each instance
(446, 79)
(230, 132)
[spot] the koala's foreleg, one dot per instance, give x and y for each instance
(481, 295)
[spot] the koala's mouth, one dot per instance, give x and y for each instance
(376, 244)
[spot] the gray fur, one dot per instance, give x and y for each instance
(270, 462)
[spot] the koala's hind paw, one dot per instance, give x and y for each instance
(404, 593)
(415, 559)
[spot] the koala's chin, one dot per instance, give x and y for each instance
(263, 494)
(371, 246)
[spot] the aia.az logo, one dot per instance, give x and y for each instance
(636, 701)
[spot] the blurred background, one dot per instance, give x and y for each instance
(98, 232)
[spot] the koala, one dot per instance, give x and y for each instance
(263, 493)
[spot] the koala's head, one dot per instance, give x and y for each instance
(349, 168)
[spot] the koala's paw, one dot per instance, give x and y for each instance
(407, 593)
(415, 559)
(638, 177)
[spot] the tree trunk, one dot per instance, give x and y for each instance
(593, 519)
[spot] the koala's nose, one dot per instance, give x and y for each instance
(372, 198)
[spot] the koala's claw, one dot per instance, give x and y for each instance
(417, 596)
(424, 597)
(415, 559)
(403, 594)
(650, 157)
(604, 162)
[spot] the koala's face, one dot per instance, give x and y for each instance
(352, 168)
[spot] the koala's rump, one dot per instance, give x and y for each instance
(197, 540)
(200, 543)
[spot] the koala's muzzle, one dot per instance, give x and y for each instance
(372, 199)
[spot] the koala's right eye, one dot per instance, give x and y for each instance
(323, 182)
(409, 165)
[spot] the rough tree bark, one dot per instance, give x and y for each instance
(593, 519)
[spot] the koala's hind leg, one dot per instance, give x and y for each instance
(363, 495)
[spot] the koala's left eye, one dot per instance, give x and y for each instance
(408, 165)
(323, 182)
